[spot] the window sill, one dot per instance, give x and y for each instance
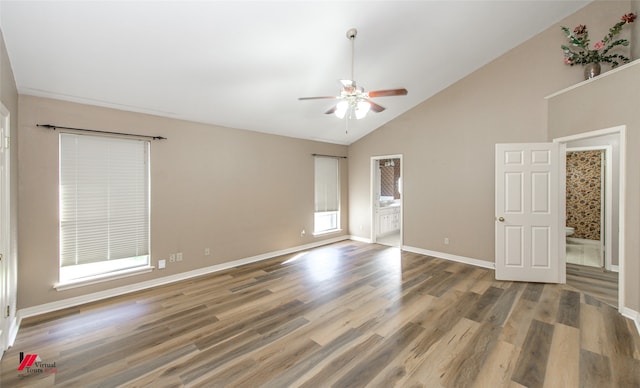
(101, 278)
(318, 234)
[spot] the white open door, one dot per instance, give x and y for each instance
(530, 212)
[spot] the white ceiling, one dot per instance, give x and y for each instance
(243, 64)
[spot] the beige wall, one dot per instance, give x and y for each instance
(635, 28)
(610, 101)
(239, 193)
(448, 141)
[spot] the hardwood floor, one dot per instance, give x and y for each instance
(595, 282)
(343, 315)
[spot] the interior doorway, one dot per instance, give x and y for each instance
(386, 200)
(604, 282)
(589, 188)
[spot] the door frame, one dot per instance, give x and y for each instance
(621, 131)
(7, 265)
(606, 206)
(374, 198)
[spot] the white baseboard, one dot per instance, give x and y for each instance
(361, 239)
(14, 325)
(633, 315)
(83, 299)
(448, 256)
(614, 268)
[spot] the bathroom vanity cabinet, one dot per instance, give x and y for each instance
(388, 220)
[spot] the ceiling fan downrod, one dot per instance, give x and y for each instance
(351, 35)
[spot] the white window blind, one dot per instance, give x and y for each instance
(327, 194)
(104, 205)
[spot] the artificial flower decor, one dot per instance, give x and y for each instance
(579, 52)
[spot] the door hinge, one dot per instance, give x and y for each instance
(8, 311)
(7, 142)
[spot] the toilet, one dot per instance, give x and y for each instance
(568, 230)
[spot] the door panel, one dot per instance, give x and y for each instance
(513, 193)
(541, 247)
(528, 219)
(513, 246)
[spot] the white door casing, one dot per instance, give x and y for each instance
(606, 218)
(7, 288)
(375, 196)
(620, 133)
(529, 212)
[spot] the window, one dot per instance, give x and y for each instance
(104, 206)
(327, 195)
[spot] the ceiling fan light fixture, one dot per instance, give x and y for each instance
(362, 108)
(353, 100)
(341, 109)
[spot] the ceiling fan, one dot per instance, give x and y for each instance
(353, 99)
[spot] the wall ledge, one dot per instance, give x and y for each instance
(595, 79)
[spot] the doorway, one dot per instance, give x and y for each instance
(603, 281)
(589, 208)
(386, 200)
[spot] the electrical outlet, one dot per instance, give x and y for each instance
(162, 264)
(207, 251)
(172, 258)
(179, 256)
(446, 241)
(303, 233)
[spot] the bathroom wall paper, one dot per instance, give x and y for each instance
(584, 189)
(389, 174)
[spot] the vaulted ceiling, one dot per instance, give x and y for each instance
(243, 64)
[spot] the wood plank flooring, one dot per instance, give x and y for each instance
(594, 281)
(343, 315)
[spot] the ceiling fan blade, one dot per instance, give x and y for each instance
(375, 107)
(385, 93)
(332, 110)
(318, 98)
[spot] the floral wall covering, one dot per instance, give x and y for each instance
(389, 174)
(584, 188)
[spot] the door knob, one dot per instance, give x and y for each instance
(501, 219)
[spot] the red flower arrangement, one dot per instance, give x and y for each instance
(580, 54)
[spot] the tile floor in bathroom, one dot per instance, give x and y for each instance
(583, 252)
